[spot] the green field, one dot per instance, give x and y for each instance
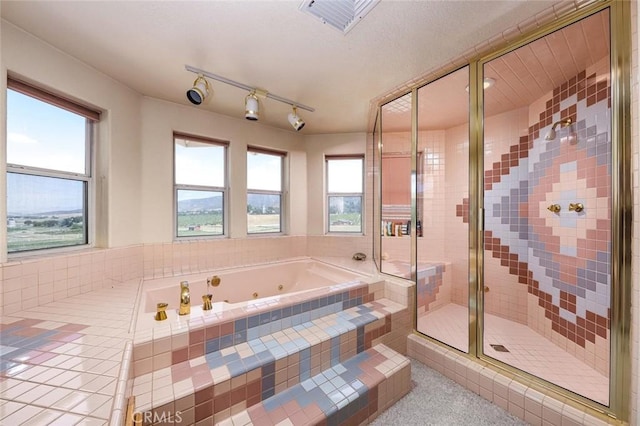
(28, 233)
(345, 222)
(199, 224)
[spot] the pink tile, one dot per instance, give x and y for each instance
(67, 337)
(74, 328)
(27, 356)
(51, 346)
(180, 372)
(43, 357)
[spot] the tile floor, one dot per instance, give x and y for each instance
(528, 350)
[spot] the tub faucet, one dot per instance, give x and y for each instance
(207, 298)
(185, 299)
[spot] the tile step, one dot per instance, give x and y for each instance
(225, 382)
(351, 392)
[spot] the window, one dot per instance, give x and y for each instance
(344, 193)
(48, 169)
(200, 186)
(264, 191)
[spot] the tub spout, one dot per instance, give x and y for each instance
(185, 299)
(161, 313)
(206, 302)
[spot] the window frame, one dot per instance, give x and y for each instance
(328, 194)
(190, 187)
(281, 193)
(92, 118)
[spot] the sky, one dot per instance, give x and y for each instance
(45, 136)
(41, 135)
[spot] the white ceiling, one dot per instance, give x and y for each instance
(268, 44)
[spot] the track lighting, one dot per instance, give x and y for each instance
(251, 107)
(295, 120)
(200, 90)
(552, 133)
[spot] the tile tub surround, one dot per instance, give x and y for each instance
(161, 343)
(523, 401)
(230, 354)
(226, 381)
(245, 284)
(30, 281)
(62, 362)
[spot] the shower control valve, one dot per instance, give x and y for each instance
(554, 208)
(576, 207)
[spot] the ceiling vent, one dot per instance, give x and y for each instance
(342, 15)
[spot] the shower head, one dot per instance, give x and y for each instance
(552, 133)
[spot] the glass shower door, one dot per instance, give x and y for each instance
(395, 187)
(442, 210)
(547, 199)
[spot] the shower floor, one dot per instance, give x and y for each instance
(528, 350)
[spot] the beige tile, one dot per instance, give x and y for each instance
(35, 394)
(91, 404)
(71, 400)
(22, 416)
(16, 389)
(67, 419)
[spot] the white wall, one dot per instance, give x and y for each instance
(160, 119)
(134, 171)
(117, 175)
(317, 146)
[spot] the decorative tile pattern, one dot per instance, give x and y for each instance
(23, 343)
(235, 377)
(430, 280)
(60, 363)
(346, 393)
(462, 210)
(564, 259)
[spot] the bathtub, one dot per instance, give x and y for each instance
(245, 286)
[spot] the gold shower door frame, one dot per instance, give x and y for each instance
(621, 207)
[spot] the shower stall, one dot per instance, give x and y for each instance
(503, 192)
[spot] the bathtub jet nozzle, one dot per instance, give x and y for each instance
(214, 281)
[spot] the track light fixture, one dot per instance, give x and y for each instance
(251, 107)
(295, 120)
(201, 89)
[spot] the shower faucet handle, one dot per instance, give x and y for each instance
(554, 208)
(576, 207)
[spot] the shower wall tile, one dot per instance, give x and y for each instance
(562, 259)
(456, 246)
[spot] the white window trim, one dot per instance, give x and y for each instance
(224, 189)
